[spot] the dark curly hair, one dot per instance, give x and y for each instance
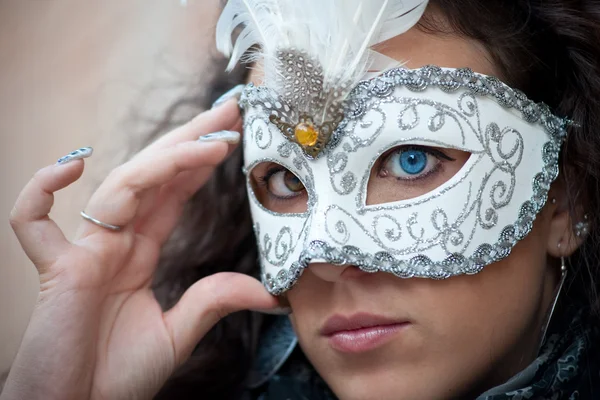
(549, 49)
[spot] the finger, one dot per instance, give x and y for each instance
(187, 183)
(117, 200)
(170, 201)
(40, 237)
(237, 127)
(183, 187)
(225, 117)
(161, 216)
(160, 213)
(209, 300)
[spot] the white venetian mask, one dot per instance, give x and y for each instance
(470, 221)
(315, 117)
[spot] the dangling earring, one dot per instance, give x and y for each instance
(563, 275)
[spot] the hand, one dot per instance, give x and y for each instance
(97, 331)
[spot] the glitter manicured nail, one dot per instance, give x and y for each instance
(83, 152)
(232, 137)
(235, 92)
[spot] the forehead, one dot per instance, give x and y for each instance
(417, 48)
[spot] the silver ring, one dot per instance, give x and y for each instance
(100, 223)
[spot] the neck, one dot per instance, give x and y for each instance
(527, 349)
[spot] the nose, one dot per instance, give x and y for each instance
(336, 273)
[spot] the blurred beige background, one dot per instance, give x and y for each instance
(74, 73)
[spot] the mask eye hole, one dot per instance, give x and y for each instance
(409, 171)
(278, 189)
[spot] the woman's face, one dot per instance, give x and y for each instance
(453, 338)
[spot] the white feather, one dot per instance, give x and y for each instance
(339, 34)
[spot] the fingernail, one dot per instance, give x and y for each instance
(221, 136)
(235, 92)
(276, 311)
(83, 152)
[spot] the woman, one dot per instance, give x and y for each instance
(507, 316)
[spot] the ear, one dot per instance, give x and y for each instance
(566, 232)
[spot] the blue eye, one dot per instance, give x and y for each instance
(413, 161)
(409, 163)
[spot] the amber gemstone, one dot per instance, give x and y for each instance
(306, 134)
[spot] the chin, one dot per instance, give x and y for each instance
(389, 375)
(371, 388)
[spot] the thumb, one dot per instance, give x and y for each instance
(209, 300)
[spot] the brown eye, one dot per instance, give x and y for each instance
(278, 189)
(284, 184)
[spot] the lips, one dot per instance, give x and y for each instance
(360, 332)
(338, 323)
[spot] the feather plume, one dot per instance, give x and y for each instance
(338, 34)
(313, 52)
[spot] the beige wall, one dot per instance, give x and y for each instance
(72, 73)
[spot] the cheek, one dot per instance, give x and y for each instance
(464, 327)
(493, 308)
(499, 305)
(487, 322)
